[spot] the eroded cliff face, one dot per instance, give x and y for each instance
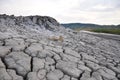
(47, 22)
(30, 25)
(31, 49)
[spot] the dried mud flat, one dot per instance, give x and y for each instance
(80, 56)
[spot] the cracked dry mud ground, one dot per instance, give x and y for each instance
(79, 57)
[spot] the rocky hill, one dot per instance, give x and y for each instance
(89, 26)
(39, 48)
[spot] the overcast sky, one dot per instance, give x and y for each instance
(66, 11)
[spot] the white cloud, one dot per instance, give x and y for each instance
(90, 11)
(101, 7)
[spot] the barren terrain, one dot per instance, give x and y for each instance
(28, 51)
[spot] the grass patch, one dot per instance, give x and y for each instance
(101, 30)
(78, 29)
(111, 31)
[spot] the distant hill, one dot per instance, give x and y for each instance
(89, 26)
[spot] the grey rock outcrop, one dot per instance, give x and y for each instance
(31, 49)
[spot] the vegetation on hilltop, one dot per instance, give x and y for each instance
(113, 29)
